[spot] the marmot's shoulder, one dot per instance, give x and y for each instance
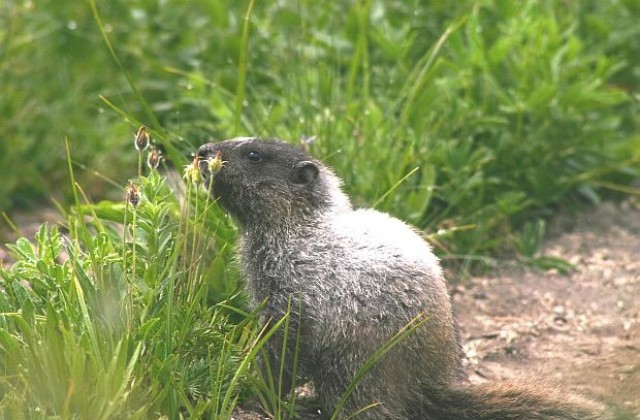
(381, 235)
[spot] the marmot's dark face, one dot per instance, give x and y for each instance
(262, 181)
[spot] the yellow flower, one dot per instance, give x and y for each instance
(192, 171)
(215, 164)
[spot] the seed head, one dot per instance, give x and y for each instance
(192, 171)
(306, 142)
(154, 157)
(141, 140)
(132, 194)
(216, 163)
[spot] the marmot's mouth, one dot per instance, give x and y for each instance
(209, 162)
(203, 166)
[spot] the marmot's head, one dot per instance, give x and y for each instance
(265, 182)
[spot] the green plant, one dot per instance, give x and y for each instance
(528, 245)
(124, 315)
(479, 114)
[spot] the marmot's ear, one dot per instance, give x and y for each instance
(304, 172)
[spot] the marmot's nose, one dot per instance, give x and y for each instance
(205, 153)
(207, 150)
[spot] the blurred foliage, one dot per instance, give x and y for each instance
(508, 109)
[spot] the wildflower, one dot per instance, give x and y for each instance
(306, 142)
(192, 171)
(154, 157)
(133, 195)
(215, 164)
(142, 138)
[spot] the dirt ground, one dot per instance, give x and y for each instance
(580, 330)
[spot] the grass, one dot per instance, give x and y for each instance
(475, 121)
(507, 112)
(125, 316)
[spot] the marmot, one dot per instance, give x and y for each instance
(352, 279)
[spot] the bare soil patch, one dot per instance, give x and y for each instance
(580, 330)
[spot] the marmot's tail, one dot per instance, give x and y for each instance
(511, 400)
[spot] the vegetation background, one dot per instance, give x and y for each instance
(473, 120)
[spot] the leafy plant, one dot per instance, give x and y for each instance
(481, 114)
(528, 245)
(124, 315)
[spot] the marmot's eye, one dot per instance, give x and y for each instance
(254, 156)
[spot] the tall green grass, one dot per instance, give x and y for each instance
(490, 113)
(124, 315)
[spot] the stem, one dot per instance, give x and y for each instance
(139, 164)
(242, 68)
(133, 277)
